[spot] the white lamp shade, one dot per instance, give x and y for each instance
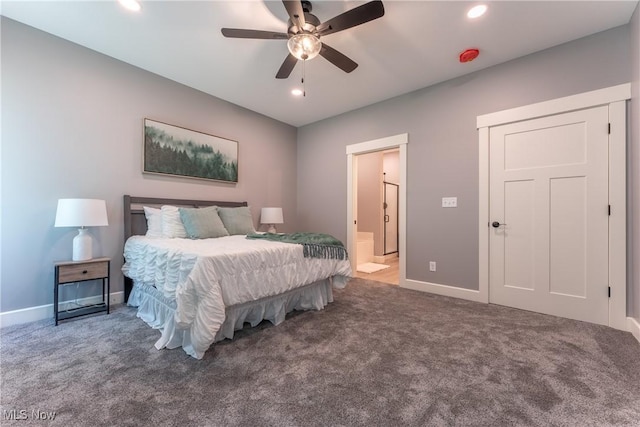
(271, 216)
(81, 213)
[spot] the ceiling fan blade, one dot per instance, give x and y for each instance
(287, 67)
(351, 18)
(338, 59)
(295, 11)
(238, 33)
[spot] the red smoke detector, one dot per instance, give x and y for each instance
(469, 55)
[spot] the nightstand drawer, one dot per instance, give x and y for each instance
(82, 271)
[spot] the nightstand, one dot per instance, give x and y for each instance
(81, 271)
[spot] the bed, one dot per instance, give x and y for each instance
(199, 291)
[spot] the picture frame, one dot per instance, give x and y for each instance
(177, 151)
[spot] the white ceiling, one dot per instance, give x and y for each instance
(416, 44)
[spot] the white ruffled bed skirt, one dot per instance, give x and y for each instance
(158, 312)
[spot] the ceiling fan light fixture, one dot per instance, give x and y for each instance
(304, 46)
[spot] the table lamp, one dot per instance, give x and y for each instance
(271, 216)
(81, 213)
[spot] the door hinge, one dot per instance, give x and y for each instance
(609, 129)
(609, 291)
(609, 210)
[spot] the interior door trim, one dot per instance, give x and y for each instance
(615, 97)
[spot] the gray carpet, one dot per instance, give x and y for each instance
(377, 356)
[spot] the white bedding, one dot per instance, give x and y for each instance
(206, 276)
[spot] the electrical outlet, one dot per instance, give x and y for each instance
(432, 266)
(449, 202)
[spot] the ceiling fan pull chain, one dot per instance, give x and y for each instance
(304, 86)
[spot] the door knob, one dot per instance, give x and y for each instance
(496, 224)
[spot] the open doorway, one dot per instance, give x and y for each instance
(376, 208)
(377, 216)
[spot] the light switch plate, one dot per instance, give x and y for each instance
(449, 202)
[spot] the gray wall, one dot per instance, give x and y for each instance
(443, 147)
(634, 173)
(72, 127)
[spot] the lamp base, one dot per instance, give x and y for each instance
(272, 229)
(82, 246)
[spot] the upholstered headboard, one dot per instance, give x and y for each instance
(135, 223)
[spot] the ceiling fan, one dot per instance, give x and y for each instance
(305, 30)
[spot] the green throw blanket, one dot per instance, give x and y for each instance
(315, 245)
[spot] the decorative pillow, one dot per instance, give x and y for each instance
(154, 221)
(237, 220)
(171, 223)
(202, 223)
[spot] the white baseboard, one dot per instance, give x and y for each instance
(445, 290)
(32, 314)
(633, 326)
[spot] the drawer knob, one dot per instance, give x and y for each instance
(84, 271)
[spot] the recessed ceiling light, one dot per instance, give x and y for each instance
(132, 5)
(477, 11)
(296, 92)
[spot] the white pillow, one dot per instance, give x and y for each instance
(171, 223)
(154, 221)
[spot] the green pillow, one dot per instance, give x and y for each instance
(202, 223)
(237, 220)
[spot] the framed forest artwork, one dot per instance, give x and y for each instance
(174, 150)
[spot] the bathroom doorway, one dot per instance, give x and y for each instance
(377, 200)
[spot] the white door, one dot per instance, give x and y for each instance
(548, 236)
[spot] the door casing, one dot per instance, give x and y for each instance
(615, 97)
